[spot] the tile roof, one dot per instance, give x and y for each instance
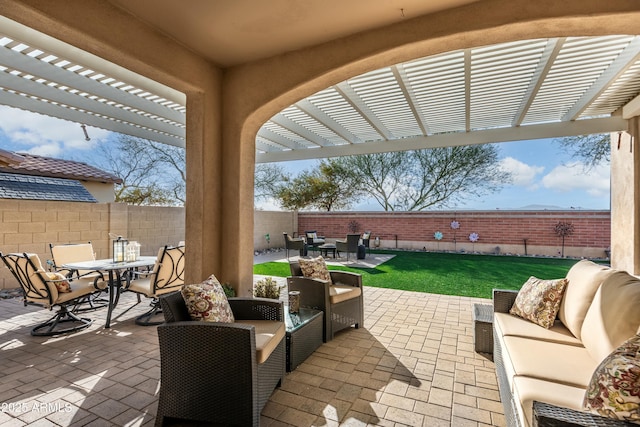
(30, 187)
(55, 168)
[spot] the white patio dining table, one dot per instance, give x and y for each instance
(115, 270)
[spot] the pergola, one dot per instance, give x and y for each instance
(517, 90)
(276, 81)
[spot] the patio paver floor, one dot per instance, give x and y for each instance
(412, 364)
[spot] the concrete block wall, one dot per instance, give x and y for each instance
(506, 230)
(273, 223)
(29, 226)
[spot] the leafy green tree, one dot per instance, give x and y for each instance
(436, 177)
(330, 186)
(590, 150)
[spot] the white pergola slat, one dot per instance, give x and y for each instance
(526, 89)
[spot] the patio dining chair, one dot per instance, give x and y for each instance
(166, 276)
(50, 290)
(78, 252)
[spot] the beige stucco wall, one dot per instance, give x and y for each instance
(625, 204)
(226, 107)
(103, 192)
(30, 226)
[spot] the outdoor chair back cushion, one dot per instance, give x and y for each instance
(167, 274)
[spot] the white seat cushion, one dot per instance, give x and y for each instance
(526, 390)
(510, 325)
(558, 363)
(339, 293)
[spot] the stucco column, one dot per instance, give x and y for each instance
(625, 202)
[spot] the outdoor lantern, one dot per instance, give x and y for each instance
(119, 248)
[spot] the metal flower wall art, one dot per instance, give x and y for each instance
(455, 226)
(438, 236)
(473, 238)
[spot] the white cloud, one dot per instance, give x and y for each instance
(44, 135)
(573, 176)
(523, 175)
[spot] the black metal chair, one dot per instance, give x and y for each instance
(350, 244)
(341, 301)
(167, 276)
(297, 243)
(210, 372)
(40, 288)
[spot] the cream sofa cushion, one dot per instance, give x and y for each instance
(558, 363)
(509, 325)
(269, 333)
(584, 278)
(614, 315)
(526, 390)
(339, 293)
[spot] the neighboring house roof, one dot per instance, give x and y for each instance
(55, 168)
(15, 186)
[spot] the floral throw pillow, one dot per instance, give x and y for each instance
(539, 300)
(207, 301)
(614, 390)
(315, 268)
(61, 282)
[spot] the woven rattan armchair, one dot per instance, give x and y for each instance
(291, 243)
(39, 288)
(341, 310)
(210, 372)
(350, 244)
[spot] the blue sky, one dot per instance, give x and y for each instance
(543, 174)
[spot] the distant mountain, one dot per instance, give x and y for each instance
(547, 208)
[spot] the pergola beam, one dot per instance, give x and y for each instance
(521, 133)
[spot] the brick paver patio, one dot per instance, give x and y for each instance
(413, 364)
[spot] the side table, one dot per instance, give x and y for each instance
(483, 328)
(324, 249)
(304, 334)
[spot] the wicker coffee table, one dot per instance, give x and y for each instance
(304, 335)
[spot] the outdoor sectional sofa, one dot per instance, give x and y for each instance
(543, 374)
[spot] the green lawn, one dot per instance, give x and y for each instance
(447, 273)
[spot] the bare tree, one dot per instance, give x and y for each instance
(267, 180)
(152, 173)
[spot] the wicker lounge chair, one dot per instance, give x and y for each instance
(210, 372)
(341, 309)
